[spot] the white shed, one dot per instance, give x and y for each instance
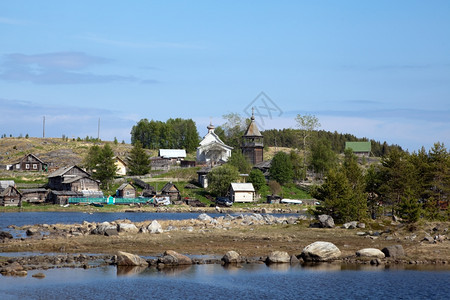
(242, 192)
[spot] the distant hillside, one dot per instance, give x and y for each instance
(57, 152)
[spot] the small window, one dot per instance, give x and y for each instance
(34, 166)
(27, 166)
(18, 166)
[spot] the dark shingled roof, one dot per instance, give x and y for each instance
(252, 129)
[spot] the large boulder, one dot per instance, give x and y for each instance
(278, 257)
(173, 258)
(326, 221)
(125, 227)
(231, 257)
(32, 231)
(320, 251)
(105, 228)
(370, 252)
(129, 259)
(204, 217)
(155, 227)
(394, 251)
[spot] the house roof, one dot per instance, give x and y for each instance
(5, 183)
(242, 187)
(124, 185)
(38, 190)
(35, 157)
(118, 159)
(359, 146)
(172, 153)
(168, 187)
(8, 191)
(64, 170)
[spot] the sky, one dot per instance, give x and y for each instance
(375, 69)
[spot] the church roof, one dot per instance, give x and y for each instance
(252, 129)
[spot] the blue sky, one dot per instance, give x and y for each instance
(376, 69)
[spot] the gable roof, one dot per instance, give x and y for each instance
(168, 187)
(9, 190)
(64, 170)
(359, 146)
(34, 156)
(124, 185)
(242, 187)
(118, 159)
(172, 153)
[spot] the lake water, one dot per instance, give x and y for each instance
(256, 281)
(30, 218)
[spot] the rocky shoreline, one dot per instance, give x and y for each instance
(254, 238)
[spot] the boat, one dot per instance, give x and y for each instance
(97, 204)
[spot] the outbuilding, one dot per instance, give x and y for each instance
(242, 192)
(126, 190)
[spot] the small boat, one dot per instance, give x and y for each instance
(97, 204)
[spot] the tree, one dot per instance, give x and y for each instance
(409, 208)
(372, 189)
(298, 166)
(233, 128)
(281, 168)
(439, 174)
(307, 124)
(105, 167)
(220, 178)
(322, 158)
(238, 160)
(256, 177)
(274, 187)
(92, 158)
(138, 161)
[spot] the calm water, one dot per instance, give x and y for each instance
(30, 218)
(217, 282)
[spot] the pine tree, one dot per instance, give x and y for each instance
(106, 168)
(138, 161)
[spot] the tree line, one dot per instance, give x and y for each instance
(173, 134)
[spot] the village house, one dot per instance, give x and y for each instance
(126, 190)
(171, 191)
(10, 196)
(242, 192)
(29, 162)
(360, 149)
(37, 195)
(212, 150)
(72, 181)
(121, 166)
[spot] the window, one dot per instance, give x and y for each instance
(27, 166)
(34, 166)
(18, 166)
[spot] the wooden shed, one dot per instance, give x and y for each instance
(126, 190)
(72, 178)
(242, 192)
(10, 196)
(37, 195)
(172, 191)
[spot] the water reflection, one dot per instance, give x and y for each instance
(130, 270)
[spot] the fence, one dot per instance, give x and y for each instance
(110, 200)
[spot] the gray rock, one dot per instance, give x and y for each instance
(320, 251)
(294, 260)
(395, 251)
(278, 257)
(204, 217)
(231, 257)
(350, 225)
(128, 259)
(173, 258)
(125, 227)
(32, 231)
(326, 221)
(103, 227)
(361, 225)
(370, 252)
(111, 232)
(155, 227)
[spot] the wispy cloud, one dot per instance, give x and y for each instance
(132, 44)
(57, 68)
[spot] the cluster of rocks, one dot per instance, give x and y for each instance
(19, 266)
(326, 221)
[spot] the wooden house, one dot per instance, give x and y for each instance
(121, 166)
(242, 192)
(126, 190)
(171, 191)
(10, 196)
(37, 195)
(72, 178)
(360, 149)
(30, 162)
